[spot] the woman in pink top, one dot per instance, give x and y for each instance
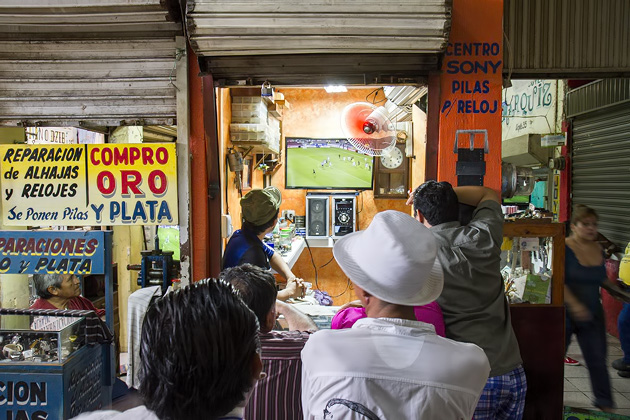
(430, 313)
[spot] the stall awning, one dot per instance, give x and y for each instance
(318, 42)
(87, 62)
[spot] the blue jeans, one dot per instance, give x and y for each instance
(623, 325)
(591, 336)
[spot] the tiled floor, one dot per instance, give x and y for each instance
(577, 385)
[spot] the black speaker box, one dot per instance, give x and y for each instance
(317, 209)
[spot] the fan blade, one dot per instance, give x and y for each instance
(368, 128)
(353, 117)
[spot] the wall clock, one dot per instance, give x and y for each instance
(391, 174)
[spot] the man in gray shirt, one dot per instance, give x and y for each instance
(473, 300)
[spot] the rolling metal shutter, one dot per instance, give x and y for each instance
(87, 63)
(601, 154)
(566, 38)
(318, 41)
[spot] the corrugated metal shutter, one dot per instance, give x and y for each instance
(362, 41)
(565, 38)
(597, 95)
(87, 62)
(601, 168)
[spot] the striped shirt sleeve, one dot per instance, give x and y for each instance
(278, 396)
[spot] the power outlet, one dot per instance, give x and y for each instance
(289, 215)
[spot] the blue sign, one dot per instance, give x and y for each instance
(60, 252)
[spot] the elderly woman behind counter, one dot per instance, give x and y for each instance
(61, 291)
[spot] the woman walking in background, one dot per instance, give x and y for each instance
(585, 272)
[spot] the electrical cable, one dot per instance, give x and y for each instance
(316, 274)
(313, 262)
(329, 261)
(344, 292)
(529, 117)
(375, 93)
(510, 57)
(359, 211)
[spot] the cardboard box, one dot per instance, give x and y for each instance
(278, 98)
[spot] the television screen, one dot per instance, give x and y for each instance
(326, 164)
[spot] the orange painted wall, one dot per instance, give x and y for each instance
(316, 113)
(471, 84)
(313, 113)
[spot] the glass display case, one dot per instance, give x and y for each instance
(53, 366)
(533, 252)
(40, 339)
(532, 262)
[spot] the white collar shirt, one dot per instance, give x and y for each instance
(386, 368)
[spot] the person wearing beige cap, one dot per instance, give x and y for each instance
(260, 214)
(389, 365)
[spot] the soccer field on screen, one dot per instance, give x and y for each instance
(309, 168)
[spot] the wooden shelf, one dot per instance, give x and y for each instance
(255, 147)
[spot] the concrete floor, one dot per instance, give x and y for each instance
(577, 385)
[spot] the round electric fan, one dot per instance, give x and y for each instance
(368, 128)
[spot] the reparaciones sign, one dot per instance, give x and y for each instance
(89, 184)
(28, 252)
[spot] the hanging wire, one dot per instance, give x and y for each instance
(344, 291)
(312, 262)
(360, 210)
(375, 93)
(329, 261)
(510, 57)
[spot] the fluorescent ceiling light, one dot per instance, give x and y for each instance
(335, 88)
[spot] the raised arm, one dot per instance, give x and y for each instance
(472, 195)
(297, 320)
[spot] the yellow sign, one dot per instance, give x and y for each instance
(80, 185)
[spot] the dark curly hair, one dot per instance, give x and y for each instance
(437, 202)
(256, 286)
(196, 352)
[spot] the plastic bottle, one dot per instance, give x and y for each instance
(624, 267)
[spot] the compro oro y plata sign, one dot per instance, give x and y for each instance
(89, 184)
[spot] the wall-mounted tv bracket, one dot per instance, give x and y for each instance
(471, 167)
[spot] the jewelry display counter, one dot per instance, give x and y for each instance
(54, 364)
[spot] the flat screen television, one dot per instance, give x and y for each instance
(326, 164)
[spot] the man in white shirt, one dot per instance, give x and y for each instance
(388, 365)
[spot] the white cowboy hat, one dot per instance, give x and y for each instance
(394, 259)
